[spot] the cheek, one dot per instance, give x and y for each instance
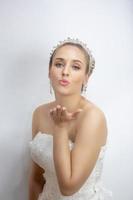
(78, 79)
(54, 75)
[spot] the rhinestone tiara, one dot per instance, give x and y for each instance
(77, 41)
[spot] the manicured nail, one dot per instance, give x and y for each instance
(58, 106)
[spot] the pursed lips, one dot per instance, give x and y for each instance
(64, 82)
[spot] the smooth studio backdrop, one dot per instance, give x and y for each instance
(28, 31)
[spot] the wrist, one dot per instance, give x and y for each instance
(60, 128)
(60, 135)
(60, 131)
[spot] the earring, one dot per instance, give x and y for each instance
(84, 88)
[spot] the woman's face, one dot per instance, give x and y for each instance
(68, 64)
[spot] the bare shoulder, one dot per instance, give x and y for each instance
(93, 112)
(39, 115)
(93, 124)
(42, 108)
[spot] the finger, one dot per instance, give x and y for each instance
(63, 113)
(51, 112)
(54, 113)
(58, 109)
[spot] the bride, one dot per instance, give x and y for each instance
(69, 134)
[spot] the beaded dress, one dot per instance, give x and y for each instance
(41, 151)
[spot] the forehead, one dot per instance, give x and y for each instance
(70, 52)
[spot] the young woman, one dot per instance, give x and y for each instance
(70, 133)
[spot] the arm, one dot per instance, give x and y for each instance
(91, 134)
(36, 180)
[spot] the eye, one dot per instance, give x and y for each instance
(59, 64)
(76, 67)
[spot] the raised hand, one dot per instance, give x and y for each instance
(62, 117)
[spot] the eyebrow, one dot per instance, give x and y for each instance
(64, 59)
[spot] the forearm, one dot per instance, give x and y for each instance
(62, 156)
(34, 190)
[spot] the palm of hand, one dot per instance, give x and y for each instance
(62, 117)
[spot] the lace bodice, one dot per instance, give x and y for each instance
(41, 150)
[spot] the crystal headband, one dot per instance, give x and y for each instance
(77, 41)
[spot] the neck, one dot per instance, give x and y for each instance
(71, 102)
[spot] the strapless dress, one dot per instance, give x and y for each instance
(41, 151)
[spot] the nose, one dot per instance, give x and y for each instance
(65, 71)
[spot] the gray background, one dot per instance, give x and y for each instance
(28, 31)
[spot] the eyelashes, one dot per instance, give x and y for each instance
(76, 67)
(58, 65)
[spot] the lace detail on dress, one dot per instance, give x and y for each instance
(41, 150)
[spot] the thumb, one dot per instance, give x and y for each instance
(76, 113)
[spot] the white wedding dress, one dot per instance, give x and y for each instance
(41, 151)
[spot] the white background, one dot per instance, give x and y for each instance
(28, 31)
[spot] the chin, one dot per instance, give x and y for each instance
(63, 92)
